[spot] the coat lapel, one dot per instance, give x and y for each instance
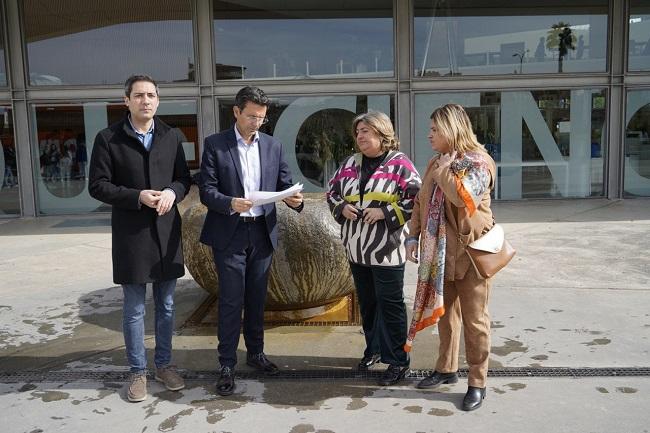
(159, 131)
(264, 157)
(126, 126)
(234, 153)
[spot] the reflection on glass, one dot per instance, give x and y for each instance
(314, 130)
(317, 39)
(9, 198)
(323, 142)
(639, 37)
(106, 42)
(481, 37)
(3, 70)
(64, 141)
(637, 144)
(546, 143)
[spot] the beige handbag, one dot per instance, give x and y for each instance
(491, 252)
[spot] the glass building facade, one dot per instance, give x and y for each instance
(558, 91)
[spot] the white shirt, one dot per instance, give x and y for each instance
(251, 168)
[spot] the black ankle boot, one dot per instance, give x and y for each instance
(436, 378)
(392, 375)
(473, 398)
(368, 361)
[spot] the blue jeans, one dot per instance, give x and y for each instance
(133, 323)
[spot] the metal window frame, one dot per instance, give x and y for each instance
(100, 87)
(522, 77)
(266, 82)
(403, 86)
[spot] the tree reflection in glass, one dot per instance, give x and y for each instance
(560, 38)
(324, 141)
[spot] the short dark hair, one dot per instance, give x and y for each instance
(128, 84)
(251, 94)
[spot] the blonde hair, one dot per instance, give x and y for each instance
(454, 124)
(381, 125)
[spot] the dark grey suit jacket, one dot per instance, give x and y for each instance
(221, 180)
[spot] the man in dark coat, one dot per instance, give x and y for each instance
(138, 167)
(235, 163)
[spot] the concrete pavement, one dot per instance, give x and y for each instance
(576, 295)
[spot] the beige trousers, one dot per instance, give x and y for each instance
(466, 305)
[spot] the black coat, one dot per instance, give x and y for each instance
(146, 247)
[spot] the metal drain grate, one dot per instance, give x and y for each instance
(342, 374)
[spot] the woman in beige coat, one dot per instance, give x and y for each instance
(452, 210)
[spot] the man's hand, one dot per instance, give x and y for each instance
(149, 197)
(373, 214)
(412, 252)
(294, 201)
(350, 212)
(240, 205)
(166, 201)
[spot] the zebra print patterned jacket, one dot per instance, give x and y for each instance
(392, 188)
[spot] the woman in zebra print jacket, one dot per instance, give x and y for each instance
(371, 195)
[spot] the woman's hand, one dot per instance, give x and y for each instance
(446, 159)
(350, 212)
(412, 252)
(372, 215)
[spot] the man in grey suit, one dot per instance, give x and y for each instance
(236, 162)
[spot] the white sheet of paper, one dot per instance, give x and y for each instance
(263, 197)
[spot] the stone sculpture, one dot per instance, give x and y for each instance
(309, 270)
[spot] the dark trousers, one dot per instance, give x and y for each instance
(381, 301)
(243, 271)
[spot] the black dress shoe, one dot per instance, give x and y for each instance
(436, 378)
(392, 375)
(262, 363)
(473, 398)
(226, 382)
(368, 361)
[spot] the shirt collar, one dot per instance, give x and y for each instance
(150, 131)
(240, 139)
